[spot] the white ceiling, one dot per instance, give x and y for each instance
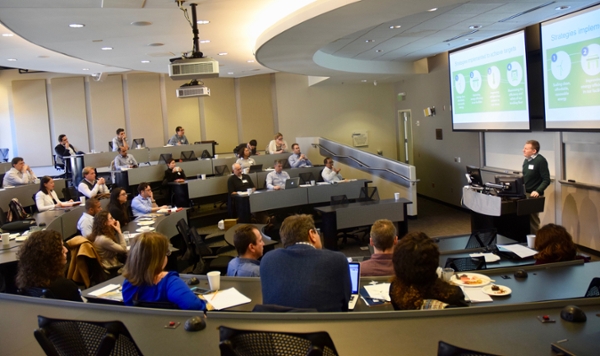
(346, 40)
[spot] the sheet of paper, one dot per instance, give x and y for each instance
(106, 289)
(476, 295)
(489, 257)
(519, 250)
(227, 298)
(379, 291)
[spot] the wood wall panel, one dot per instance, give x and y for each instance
(68, 111)
(107, 110)
(182, 112)
(220, 113)
(145, 113)
(256, 108)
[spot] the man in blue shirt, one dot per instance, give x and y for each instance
(249, 244)
(298, 159)
(276, 179)
(179, 137)
(144, 203)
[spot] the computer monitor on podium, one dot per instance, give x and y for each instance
(514, 186)
(474, 176)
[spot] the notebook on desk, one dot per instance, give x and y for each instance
(354, 268)
(292, 183)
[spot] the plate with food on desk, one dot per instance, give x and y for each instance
(496, 290)
(145, 229)
(470, 279)
(145, 222)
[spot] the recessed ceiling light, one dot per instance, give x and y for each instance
(202, 22)
(76, 25)
(85, 69)
(363, 81)
(155, 44)
(222, 53)
(230, 73)
(11, 59)
(7, 35)
(432, 10)
(563, 7)
(250, 61)
(369, 41)
(474, 27)
(107, 48)
(141, 23)
(395, 26)
(145, 61)
(204, 41)
(378, 51)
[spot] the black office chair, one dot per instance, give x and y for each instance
(221, 170)
(368, 194)
(320, 177)
(4, 154)
(445, 349)
(110, 145)
(139, 142)
(2, 179)
(306, 177)
(164, 158)
(482, 238)
(594, 288)
(70, 192)
(338, 200)
(79, 337)
(188, 156)
(466, 263)
(198, 254)
(234, 342)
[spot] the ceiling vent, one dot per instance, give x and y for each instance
(193, 68)
(192, 91)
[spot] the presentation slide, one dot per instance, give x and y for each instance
(489, 85)
(571, 60)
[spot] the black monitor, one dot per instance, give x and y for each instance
(514, 186)
(139, 143)
(188, 156)
(474, 175)
(255, 168)
(164, 158)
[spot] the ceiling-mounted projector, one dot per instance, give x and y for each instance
(192, 91)
(193, 68)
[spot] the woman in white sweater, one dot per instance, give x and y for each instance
(46, 198)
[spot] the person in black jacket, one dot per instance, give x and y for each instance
(118, 207)
(64, 148)
(173, 173)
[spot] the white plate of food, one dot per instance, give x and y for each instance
(496, 290)
(145, 219)
(21, 238)
(470, 279)
(145, 229)
(145, 222)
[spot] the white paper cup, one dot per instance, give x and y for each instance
(139, 146)
(312, 182)
(396, 196)
(530, 241)
(250, 190)
(36, 181)
(214, 280)
(203, 176)
(5, 240)
(216, 156)
(82, 200)
(447, 274)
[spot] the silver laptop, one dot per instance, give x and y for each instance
(355, 283)
(292, 183)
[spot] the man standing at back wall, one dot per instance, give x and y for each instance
(179, 137)
(536, 176)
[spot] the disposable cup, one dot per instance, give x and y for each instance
(82, 200)
(249, 191)
(396, 196)
(203, 176)
(447, 274)
(214, 280)
(312, 182)
(530, 241)
(5, 240)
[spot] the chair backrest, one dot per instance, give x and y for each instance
(36, 292)
(110, 145)
(249, 343)
(368, 194)
(188, 156)
(466, 263)
(445, 349)
(2, 217)
(339, 199)
(2, 179)
(306, 177)
(139, 142)
(4, 154)
(70, 192)
(320, 177)
(164, 158)
(594, 288)
(79, 337)
(221, 170)
(482, 238)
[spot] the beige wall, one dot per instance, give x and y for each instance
(144, 108)
(219, 113)
(108, 111)
(181, 112)
(68, 112)
(256, 110)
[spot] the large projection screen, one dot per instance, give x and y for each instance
(571, 62)
(489, 85)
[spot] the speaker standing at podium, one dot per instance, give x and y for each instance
(536, 176)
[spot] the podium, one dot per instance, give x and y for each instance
(510, 217)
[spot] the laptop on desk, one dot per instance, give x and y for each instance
(292, 183)
(255, 168)
(354, 268)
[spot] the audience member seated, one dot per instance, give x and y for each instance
(108, 240)
(554, 244)
(120, 140)
(383, 239)
(278, 145)
(19, 174)
(46, 198)
(238, 182)
(144, 202)
(146, 280)
(86, 221)
(42, 261)
(173, 173)
(117, 206)
(302, 275)
(249, 244)
(329, 173)
(92, 188)
(244, 159)
(179, 138)
(276, 179)
(125, 160)
(416, 284)
(64, 149)
(297, 159)
(251, 146)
